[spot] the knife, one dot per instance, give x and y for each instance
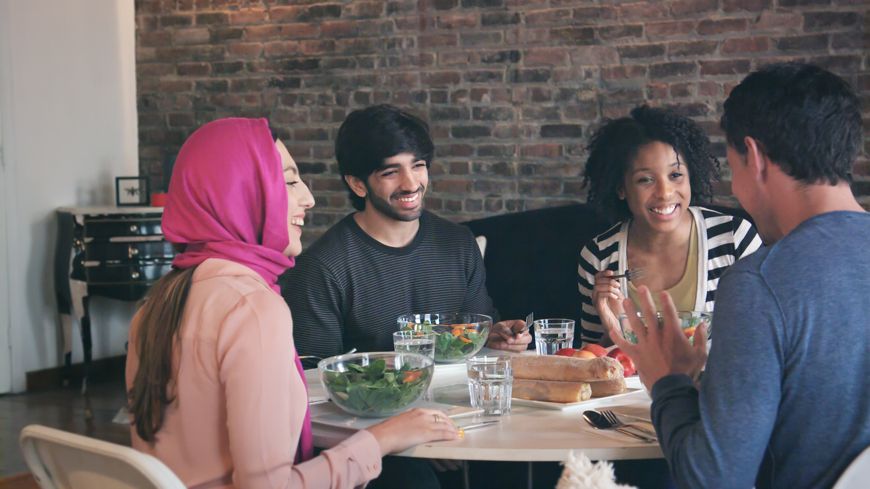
(632, 417)
(529, 320)
(474, 426)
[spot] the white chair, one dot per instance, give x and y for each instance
(61, 460)
(857, 474)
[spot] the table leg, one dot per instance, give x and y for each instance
(466, 477)
(530, 481)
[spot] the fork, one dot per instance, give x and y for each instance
(630, 274)
(611, 417)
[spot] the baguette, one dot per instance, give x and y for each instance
(603, 388)
(565, 369)
(551, 390)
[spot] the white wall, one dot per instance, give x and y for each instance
(67, 89)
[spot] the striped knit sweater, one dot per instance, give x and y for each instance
(722, 240)
(347, 290)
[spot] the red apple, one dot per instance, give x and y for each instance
(566, 352)
(597, 350)
(584, 354)
(628, 367)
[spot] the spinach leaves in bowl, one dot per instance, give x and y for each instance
(376, 384)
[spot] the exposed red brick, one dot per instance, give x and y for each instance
(511, 88)
(712, 27)
(669, 29)
(692, 48)
(594, 55)
(192, 69)
(458, 20)
(747, 5)
(248, 16)
(245, 50)
(191, 36)
(548, 17)
(546, 56)
(777, 20)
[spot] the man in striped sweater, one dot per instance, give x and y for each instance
(391, 257)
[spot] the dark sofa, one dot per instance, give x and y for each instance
(531, 259)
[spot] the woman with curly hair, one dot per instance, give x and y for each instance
(649, 172)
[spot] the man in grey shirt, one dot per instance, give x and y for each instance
(390, 257)
(785, 398)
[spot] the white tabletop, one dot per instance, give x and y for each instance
(527, 434)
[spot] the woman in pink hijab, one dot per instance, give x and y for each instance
(215, 386)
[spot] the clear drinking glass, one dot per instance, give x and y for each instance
(490, 381)
(415, 342)
(551, 335)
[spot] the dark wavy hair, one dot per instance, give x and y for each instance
(807, 120)
(615, 145)
(369, 136)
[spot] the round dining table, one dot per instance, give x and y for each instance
(528, 434)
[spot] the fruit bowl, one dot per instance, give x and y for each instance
(458, 336)
(689, 321)
(375, 384)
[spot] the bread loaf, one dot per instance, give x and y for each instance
(565, 369)
(603, 388)
(551, 391)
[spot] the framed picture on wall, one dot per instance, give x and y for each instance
(131, 191)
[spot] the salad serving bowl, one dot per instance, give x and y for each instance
(458, 336)
(376, 384)
(689, 321)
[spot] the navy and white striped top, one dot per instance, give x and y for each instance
(722, 240)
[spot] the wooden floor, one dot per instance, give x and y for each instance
(63, 409)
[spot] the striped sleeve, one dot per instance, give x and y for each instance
(729, 238)
(746, 239)
(594, 258)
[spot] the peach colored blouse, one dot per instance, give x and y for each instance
(239, 405)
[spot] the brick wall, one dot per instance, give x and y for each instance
(511, 88)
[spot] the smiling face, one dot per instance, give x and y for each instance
(656, 188)
(299, 199)
(395, 190)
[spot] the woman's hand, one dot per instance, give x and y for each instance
(412, 428)
(607, 298)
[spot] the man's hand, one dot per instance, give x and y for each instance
(509, 335)
(661, 349)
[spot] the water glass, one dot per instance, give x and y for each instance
(551, 335)
(421, 342)
(490, 381)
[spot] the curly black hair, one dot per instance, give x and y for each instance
(615, 144)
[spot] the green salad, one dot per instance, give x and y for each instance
(376, 390)
(453, 341)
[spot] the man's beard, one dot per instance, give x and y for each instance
(384, 207)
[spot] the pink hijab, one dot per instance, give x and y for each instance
(227, 200)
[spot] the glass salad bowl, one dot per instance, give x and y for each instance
(689, 321)
(376, 384)
(458, 336)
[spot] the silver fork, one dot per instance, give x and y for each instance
(613, 418)
(630, 274)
